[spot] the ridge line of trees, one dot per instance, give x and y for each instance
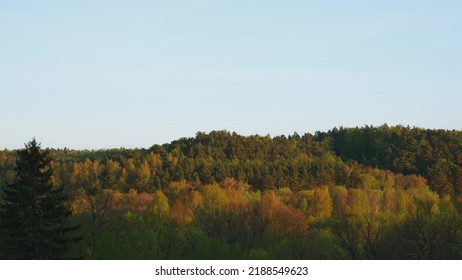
(356, 193)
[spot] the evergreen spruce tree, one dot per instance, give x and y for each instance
(33, 213)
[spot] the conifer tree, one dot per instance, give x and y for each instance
(34, 213)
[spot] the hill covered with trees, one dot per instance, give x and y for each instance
(349, 193)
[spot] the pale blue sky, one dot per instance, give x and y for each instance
(104, 74)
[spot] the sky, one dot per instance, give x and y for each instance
(108, 74)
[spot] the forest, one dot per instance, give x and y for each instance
(348, 193)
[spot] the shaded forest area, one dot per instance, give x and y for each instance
(349, 193)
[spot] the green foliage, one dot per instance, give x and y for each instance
(433, 154)
(34, 213)
(425, 235)
(356, 193)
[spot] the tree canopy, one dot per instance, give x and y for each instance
(355, 193)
